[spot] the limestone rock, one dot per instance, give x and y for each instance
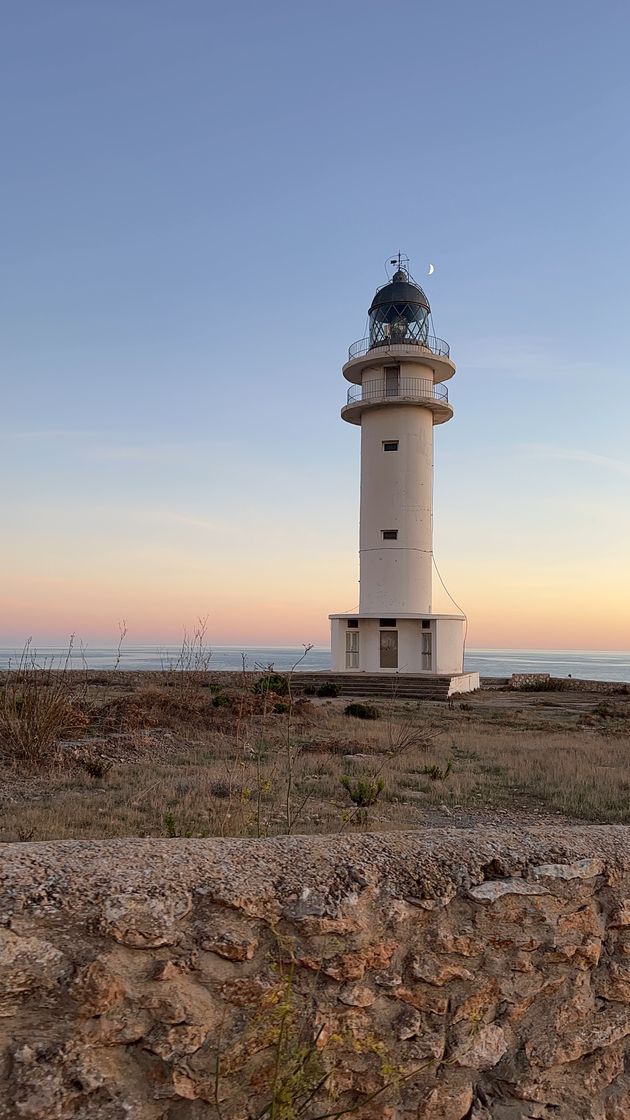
(438, 903)
(97, 987)
(164, 1008)
(585, 921)
(117, 1027)
(55, 1082)
(462, 945)
(601, 1029)
(145, 922)
(428, 1033)
(351, 966)
(423, 999)
(388, 979)
(613, 982)
(166, 970)
(27, 963)
(409, 1024)
(448, 1100)
(484, 1048)
(478, 1004)
(356, 995)
(620, 917)
(494, 889)
(248, 991)
(579, 869)
(433, 970)
(234, 944)
(618, 1102)
(176, 1041)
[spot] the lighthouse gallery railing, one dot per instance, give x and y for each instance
(437, 346)
(412, 388)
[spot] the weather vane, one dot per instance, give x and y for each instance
(401, 263)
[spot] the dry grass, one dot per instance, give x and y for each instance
(211, 758)
(38, 707)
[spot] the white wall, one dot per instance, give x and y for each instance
(338, 627)
(449, 645)
(396, 493)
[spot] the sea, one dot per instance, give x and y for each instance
(597, 665)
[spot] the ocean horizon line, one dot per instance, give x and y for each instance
(244, 646)
(490, 661)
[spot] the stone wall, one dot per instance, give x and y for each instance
(439, 975)
(566, 684)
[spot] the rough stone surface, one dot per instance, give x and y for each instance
(580, 869)
(440, 975)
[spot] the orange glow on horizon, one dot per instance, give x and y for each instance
(502, 613)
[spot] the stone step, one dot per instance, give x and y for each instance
(408, 687)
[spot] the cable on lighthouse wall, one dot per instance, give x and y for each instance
(439, 575)
(460, 609)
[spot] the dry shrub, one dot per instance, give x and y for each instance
(154, 708)
(38, 708)
(188, 670)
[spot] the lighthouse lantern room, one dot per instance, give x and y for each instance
(397, 395)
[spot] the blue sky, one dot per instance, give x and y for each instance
(198, 203)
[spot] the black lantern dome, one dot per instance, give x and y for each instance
(399, 313)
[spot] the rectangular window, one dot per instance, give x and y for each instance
(390, 534)
(387, 622)
(353, 624)
(352, 649)
(390, 445)
(426, 623)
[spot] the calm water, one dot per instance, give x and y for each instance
(589, 664)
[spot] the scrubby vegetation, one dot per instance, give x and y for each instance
(165, 754)
(360, 710)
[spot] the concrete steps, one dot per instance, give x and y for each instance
(399, 687)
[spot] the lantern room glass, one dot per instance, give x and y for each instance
(399, 324)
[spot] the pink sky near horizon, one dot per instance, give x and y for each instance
(291, 608)
(529, 571)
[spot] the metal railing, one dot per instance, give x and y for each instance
(436, 346)
(407, 388)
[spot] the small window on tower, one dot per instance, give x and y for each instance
(353, 624)
(390, 534)
(390, 445)
(426, 623)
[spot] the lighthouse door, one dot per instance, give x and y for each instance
(427, 650)
(352, 649)
(389, 649)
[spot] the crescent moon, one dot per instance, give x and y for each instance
(431, 270)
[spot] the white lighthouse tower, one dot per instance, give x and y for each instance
(397, 395)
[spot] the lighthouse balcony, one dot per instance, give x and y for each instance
(435, 345)
(406, 391)
(371, 353)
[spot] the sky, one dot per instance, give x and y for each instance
(198, 203)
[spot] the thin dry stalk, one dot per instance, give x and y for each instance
(188, 670)
(122, 634)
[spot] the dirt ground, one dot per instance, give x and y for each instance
(206, 754)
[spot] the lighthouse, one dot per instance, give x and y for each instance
(398, 395)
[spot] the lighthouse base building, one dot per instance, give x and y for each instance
(432, 644)
(397, 396)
